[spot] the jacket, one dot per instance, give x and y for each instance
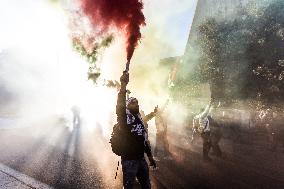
(136, 134)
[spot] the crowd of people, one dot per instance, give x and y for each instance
(204, 125)
(209, 125)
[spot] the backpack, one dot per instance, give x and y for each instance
(118, 140)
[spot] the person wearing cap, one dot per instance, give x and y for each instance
(133, 161)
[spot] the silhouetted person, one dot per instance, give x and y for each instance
(133, 161)
(76, 117)
(162, 144)
(210, 132)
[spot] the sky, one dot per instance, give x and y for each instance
(19, 19)
(172, 19)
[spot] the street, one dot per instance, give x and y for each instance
(80, 158)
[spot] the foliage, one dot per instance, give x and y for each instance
(243, 58)
(91, 55)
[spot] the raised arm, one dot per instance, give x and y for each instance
(151, 115)
(121, 100)
(156, 111)
(207, 110)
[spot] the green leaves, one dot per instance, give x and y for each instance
(90, 53)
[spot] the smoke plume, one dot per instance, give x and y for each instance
(125, 15)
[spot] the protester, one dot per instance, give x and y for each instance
(132, 159)
(162, 144)
(209, 131)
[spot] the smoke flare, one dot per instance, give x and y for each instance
(126, 15)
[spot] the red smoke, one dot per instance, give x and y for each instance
(126, 15)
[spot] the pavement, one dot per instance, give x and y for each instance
(12, 179)
(48, 155)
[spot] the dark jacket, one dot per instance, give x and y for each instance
(136, 134)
